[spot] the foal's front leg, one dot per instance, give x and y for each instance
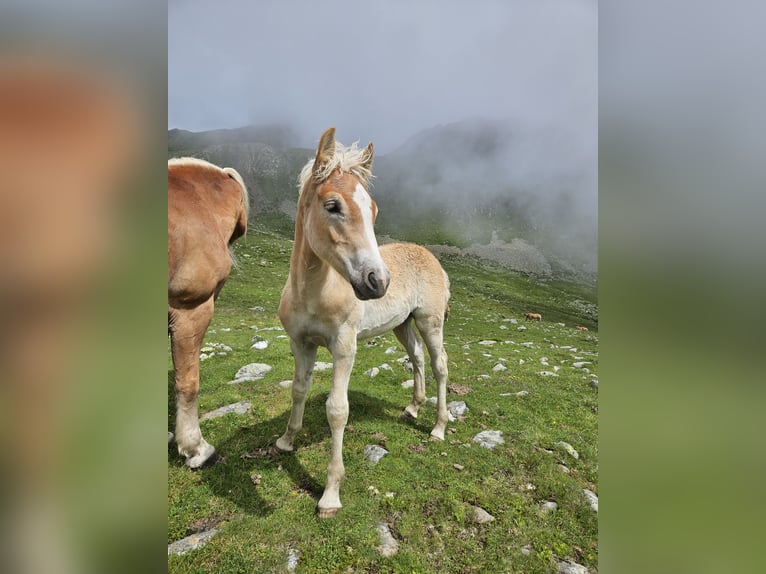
(343, 350)
(305, 355)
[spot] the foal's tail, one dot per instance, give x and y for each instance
(447, 295)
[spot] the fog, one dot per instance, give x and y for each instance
(385, 71)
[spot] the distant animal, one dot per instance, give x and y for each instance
(343, 288)
(533, 317)
(208, 208)
(581, 328)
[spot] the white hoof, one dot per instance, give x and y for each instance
(410, 412)
(284, 445)
(437, 434)
(204, 453)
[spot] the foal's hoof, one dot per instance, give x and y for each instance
(283, 445)
(436, 435)
(408, 413)
(327, 512)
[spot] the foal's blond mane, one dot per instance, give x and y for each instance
(347, 159)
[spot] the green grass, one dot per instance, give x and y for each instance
(427, 515)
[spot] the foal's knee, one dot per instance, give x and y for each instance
(337, 412)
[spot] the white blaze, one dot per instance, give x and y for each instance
(363, 200)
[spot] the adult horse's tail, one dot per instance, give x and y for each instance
(234, 174)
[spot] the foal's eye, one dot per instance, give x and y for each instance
(332, 206)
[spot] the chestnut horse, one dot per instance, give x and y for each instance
(207, 211)
(343, 288)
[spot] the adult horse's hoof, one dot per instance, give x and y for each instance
(327, 512)
(409, 413)
(205, 454)
(436, 435)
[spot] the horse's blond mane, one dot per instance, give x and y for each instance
(349, 159)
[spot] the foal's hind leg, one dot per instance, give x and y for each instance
(431, 329)
(407, 337)
(187, 330)
(304, 365)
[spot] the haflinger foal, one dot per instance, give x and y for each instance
(207, 211)
(343, 288)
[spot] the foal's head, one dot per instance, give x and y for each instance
(338, 215)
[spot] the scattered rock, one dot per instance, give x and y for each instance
(499, 367)
(388, 544)
(487, 342)
(521, 361)
(521, 328)
(292, 559)
(567, 567)
(373, 491)
(286, 384)
(260, 345)
(257, 308)
(191, 542)
(526, 550)
(564, 469)
(251, 372)
(170, 437)
(385, 367)
(528, 344)
(478, 515)
(457, 408)
(549, 506)
(581, 364)
(390, 351)
(408, 384)
(239, 408)
(374, 453)
(547, 374)
(372, 372)
(568, 448)
(489, 439)
(592, 498)
(458, 466)
(390, 494)
(321, 366)
(593, 383)
(511, 320)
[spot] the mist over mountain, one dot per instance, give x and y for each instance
(478, 182)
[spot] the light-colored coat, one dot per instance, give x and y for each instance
(343, 288)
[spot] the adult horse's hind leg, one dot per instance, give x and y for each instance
(407, 337)
(431, 329)
(304, 355)
(187, 330)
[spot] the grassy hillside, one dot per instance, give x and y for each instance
(264, 504)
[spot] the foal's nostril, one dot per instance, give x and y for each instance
(372, 281)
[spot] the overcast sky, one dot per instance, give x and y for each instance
(382, 71)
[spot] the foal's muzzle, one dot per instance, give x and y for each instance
(372, 284)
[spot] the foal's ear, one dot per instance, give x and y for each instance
(369, 152)
(326, 148)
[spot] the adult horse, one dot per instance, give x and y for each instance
(343, 288)
(207, 211)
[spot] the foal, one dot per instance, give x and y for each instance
(343, 288)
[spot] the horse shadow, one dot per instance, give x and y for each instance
(251, 449)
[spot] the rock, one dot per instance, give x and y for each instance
(521, 361)
(487, 342)
(191, 542)
(528, 344)
(286, 383)
(478, 515)
(408, 384)
(499, 367)
(320, 366)
(549, 506)
(581, 364)
(592, 498)
(526, 550)
(457, 466)
(257, 308)
(567, 567)
(564, 469)
(385, 367)
(292, 559)
(260, 345)
(593, 383)
(251, 372)
(489, 439)
(372, 372)
(388, 544)
(568, 448)
(548, 374)
(239, 408)
(503, 328)
(374, 453)
(390, 351)
(431, 400)
(170, 437)
(390, 494)
(457, 408)
(522, 328)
